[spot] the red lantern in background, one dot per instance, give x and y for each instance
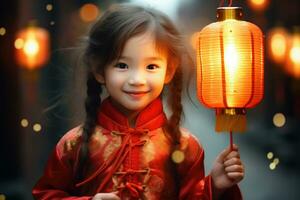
(32, 47)
(230, 68)
(293, 56)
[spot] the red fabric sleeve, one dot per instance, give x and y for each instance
(194, 185)
(57, 180)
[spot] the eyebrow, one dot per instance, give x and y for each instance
(151, 58)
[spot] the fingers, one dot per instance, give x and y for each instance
(228, 153)
(236, 176)
(231, 155)
(234, 168)
(106, 196)
(233, 165)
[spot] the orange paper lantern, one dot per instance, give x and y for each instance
(230, 70)
(32, 47)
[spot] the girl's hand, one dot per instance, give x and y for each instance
(227, 169)
(106, 196)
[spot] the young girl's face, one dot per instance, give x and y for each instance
(138, 77)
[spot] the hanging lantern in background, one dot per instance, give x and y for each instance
(277, 43)
(258, 5)
(293, 56)
(32, 47)
(230, 68)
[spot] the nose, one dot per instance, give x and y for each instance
(137, 78)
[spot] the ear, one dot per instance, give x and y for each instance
(169, 75)
(99, 77)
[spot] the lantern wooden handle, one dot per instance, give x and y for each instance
(231, 141)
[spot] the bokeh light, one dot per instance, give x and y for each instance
(37, 127)
(49, 7)
(89, 12)
(24, 122)
(2, 31)
(293, 60)
(272, 166)
(19, 43)
(276, 161)
(295, 54)
(279, 120)
(258, 5)
(270, 155)
(277, 44)
(178, 156)
(2, 197)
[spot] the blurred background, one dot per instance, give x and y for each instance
(42, 89)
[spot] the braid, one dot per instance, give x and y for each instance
(92, 102)
(173, 125)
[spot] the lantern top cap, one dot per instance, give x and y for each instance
(224, 13)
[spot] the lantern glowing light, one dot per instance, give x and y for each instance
(230, 68)
(277, 44)
(293, 58)
(258, 5)
(32, 47)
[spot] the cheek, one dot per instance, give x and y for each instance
(157, 82)
(113, 80)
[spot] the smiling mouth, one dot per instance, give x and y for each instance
(136, 94)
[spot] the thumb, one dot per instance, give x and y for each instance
(220, 158)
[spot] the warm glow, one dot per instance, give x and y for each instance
(2, 31)
(279, 119)
(231, 59)
(227, 74)
(31, 47)
(295, 55)
(293, 60)
(89, 12)
(37, 127)
(258, 5)
(24, 123)
(278, 44)
(19, 43)
(2, 197)
(258, 2)
(276, 161)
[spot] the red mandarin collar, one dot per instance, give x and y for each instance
(151, 117)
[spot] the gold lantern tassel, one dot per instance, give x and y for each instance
(230, 119)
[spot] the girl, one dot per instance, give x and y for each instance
(127, 148)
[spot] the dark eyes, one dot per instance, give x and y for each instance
(152, 67)
(121, 65)
(125, 66)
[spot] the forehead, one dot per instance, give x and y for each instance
(144, 45)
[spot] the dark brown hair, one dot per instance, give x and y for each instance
(106, 40)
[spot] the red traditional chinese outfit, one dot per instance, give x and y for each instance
(133, 161)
